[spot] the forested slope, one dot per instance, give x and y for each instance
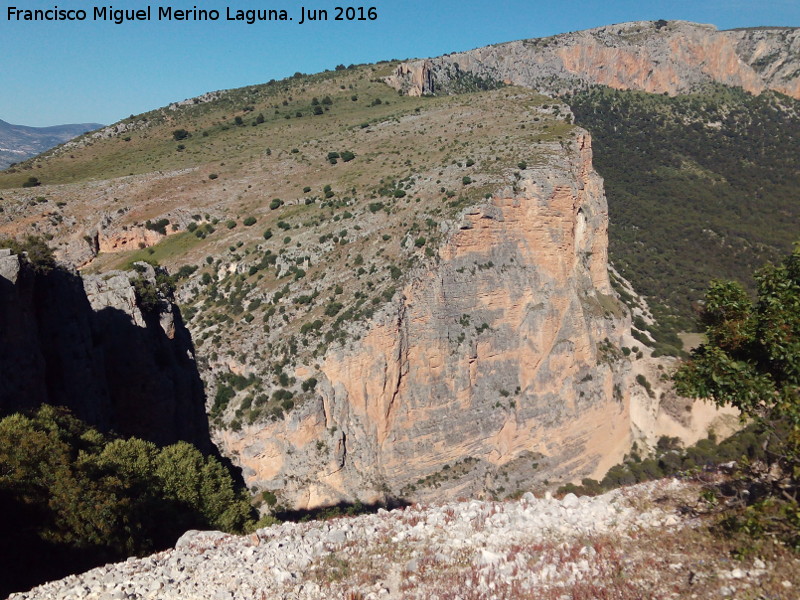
(699, 186)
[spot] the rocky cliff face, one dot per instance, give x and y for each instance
(497, 368)
(660, 57)
(86, 343)
(431, 319)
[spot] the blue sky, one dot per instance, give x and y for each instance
(68, 72)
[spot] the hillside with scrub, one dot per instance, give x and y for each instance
(700, 186)
(421, 284)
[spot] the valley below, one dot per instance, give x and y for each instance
(408, 284)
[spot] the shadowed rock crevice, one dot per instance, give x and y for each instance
(87, 345)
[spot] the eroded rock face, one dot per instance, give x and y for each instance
(137, 237)
(505, 352)
(671, 57)
(86, 343)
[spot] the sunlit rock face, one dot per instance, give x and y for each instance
(669, 57)
(502, 361)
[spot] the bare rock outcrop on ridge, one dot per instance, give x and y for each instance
(669, 57)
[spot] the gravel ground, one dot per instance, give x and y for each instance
(628, 543)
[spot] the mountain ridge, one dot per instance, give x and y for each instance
(402, 297)
(19, 142)
(273, 200)
(653, 56)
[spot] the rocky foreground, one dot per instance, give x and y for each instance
(630, 543)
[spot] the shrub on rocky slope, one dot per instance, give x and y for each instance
(72, 497)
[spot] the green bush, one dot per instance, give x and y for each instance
(65, 485)
(249, 221)
(185, 271)
(642, 381)
(221, 399)
(751, 361)
(333, 308)
(147, 296)
(34, 251)
(312, 326)
(752, 357)
(159, 226)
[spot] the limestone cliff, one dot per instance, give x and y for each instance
(431, 319)
(87, 343)
(496, 367)
(660, 57)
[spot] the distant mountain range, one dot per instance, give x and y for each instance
(18, 142)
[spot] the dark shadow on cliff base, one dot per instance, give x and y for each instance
(154, 388)
(29, 560)
(111, 373)
(343, 509)
(26, 559)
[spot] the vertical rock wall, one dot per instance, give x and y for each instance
(87, 344)
(675, 57)
(506, 346)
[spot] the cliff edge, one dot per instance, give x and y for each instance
(669, 57)
(498, 366)
(90, 344)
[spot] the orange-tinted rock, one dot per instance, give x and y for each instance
(132, 239)
(506, 349)
(675, 58)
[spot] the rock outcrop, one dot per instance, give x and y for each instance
(87, 343)
(669, 57)
(500, 360)
(438, 324)
(620, 544)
